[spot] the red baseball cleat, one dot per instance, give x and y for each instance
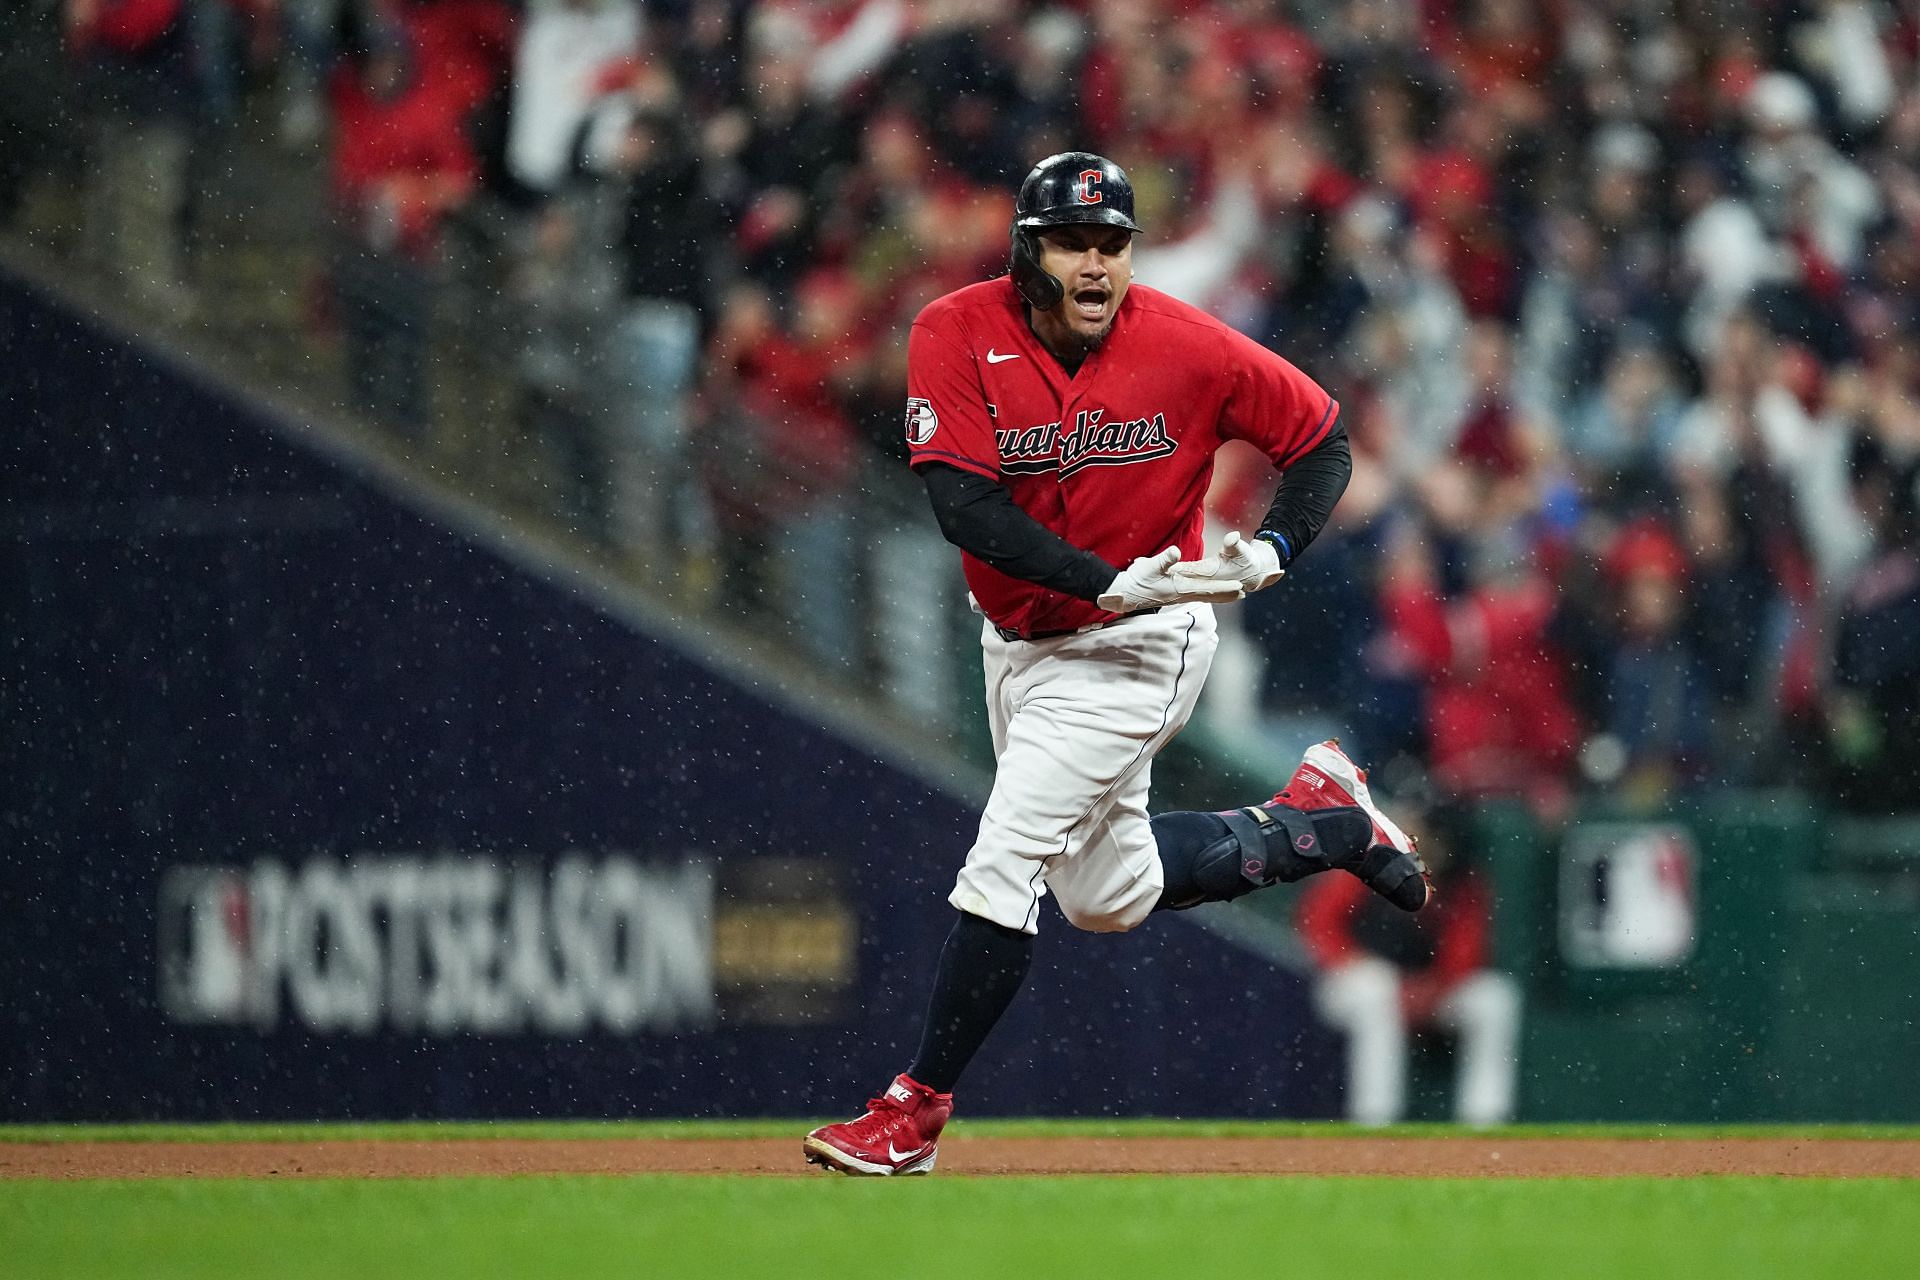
(1390, 866)
(899, 1133)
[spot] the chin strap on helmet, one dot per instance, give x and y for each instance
(1033, 282)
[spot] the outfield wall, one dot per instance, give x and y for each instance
(1736, 957)
(324, 799)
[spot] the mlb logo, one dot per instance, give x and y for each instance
(206, 944)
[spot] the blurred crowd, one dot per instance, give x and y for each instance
(1621, 299)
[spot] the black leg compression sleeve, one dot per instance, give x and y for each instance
(1211, 857)
(981, 968)
(1197, 868)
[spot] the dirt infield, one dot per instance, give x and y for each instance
(1464, 1157)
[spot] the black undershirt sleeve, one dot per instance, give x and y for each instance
(978, 516)
(1308, 490)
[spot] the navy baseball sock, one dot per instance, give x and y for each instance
(981, 968)
(1204, 860)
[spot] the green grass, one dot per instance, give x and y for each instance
(924, 1229)
(1089, 1128)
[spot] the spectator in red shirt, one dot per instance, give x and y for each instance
(401, 161)
(780, 452)
(401, 165)
(1382, 980)
(1499, 721)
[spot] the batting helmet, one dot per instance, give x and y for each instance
(1070, 188)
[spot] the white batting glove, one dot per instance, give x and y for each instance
(1152, 581)
(1254, 561)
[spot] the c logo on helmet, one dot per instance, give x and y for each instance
(1087, 187)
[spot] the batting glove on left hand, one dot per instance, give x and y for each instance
(1153, 581)
(1252, 560)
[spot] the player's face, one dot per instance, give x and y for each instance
(1094, 264)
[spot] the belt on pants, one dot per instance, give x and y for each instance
(1009, 634)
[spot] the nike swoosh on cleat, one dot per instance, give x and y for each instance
(896, 1155)
(994, 357)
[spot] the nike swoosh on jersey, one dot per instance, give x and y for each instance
(994, 357)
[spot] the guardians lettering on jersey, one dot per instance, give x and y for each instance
(1092, 442)
(1168, 385)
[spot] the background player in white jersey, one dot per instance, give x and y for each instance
(1065, 423)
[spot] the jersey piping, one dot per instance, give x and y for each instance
(1327, 420)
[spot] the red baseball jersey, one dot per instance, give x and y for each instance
(1116, 458)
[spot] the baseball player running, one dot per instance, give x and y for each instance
(1065, 422)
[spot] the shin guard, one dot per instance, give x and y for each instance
(1217, 857)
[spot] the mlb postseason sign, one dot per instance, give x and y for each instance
(452, 945)
(440, 945)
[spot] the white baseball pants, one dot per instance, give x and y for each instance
(1076, 722)
(1362, 998)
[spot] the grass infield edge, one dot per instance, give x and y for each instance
(707, 1129)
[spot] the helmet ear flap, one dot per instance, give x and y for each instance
(1030, 279)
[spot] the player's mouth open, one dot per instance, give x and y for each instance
(1091, 303)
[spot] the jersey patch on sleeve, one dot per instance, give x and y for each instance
(922, 422)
